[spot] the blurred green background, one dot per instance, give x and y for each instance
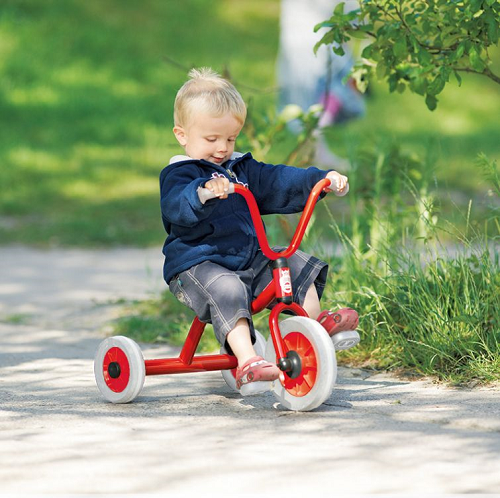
(86, 99)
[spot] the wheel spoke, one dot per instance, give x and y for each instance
(301, 385)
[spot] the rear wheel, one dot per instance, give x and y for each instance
(313, 384)
(119, 369)
(230, 375)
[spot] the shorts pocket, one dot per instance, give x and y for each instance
(177, 289)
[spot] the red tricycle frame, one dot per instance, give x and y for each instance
(187, 361)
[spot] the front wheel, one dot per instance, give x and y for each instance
(119, 369)
(314, 383)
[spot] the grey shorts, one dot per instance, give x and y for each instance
(221, 297)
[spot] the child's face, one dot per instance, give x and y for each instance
(208, 137)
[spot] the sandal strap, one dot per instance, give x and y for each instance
(250, 364)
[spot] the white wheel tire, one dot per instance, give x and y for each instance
(325, 360)
(229, 375)
(137, 368)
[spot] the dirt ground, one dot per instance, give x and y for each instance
(189, 434)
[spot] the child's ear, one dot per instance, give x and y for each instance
(180, 135)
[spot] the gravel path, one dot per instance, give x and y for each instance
(187, 434)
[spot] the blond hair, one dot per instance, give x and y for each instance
(206, 91)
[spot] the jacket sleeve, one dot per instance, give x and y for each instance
(281, 189)
(180, 204)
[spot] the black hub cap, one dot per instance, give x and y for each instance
(291, 364)
(114, 370)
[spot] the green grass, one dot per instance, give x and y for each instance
(422, 309)
(86, 97)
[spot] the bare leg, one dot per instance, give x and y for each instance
(255, 377)
(240, 341)
(311, 303)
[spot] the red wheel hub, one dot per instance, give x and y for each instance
(116, 369)
(301, 385)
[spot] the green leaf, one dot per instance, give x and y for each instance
(338, 50)
(400, 49)
(445, 73)
(351, 15)
(493, 30)
(475, 60)
(431, 102)
(424, 57)
(325, 40)
(381, 70)
(393, 82)
(475, 5)
(324, 24)
(436, 86)
(419, 85)
(356, 33)
(367, 52)
(458, 77)
(339, 9)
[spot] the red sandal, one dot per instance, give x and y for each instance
(255, 376)
(341, 326)
(338, 321)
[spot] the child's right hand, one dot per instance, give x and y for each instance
(219, 186)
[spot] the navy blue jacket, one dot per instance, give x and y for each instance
(222, 231)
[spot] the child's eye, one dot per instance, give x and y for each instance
(231, 139)
(210, 139)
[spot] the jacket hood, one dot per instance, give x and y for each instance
(180, 157)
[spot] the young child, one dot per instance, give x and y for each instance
(213, 263)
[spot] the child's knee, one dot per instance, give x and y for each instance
(230, 290)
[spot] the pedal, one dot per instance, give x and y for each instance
(345, 340)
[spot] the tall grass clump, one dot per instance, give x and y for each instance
(428, 293)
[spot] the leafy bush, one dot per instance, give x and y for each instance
(418, 44)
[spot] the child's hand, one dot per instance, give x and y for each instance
(340, 183)
(219, 186)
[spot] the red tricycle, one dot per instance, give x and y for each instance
(301, 347)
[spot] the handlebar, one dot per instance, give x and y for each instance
(205, 194)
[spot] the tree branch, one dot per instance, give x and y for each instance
(486, 72)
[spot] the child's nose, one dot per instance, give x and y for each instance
(222, 146)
